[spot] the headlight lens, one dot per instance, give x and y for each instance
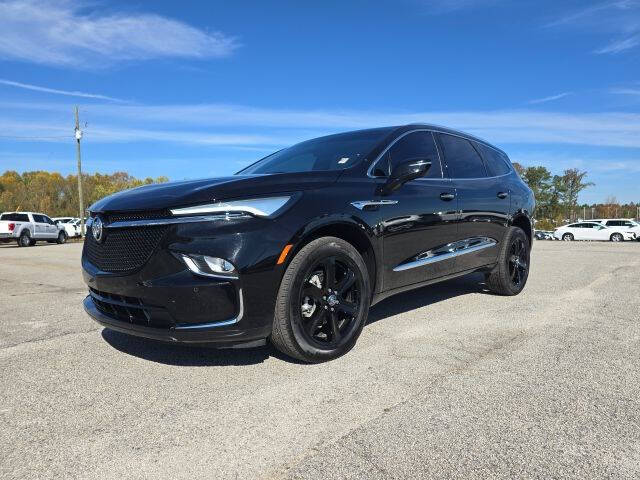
(260, 207)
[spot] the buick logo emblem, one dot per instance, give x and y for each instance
(97, 229)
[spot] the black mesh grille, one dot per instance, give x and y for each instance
(123, 249)
(128, 216)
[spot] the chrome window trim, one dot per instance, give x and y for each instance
(440, 156)
(221, 323)
(448, 251)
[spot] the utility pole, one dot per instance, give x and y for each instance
(80, 199)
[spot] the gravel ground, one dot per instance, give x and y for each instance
(445, 382)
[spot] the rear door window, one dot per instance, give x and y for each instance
(494, 160)
(462, 160)
(39, 219)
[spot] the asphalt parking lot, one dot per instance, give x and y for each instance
(446, 381)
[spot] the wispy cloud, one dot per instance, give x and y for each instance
(619, 18)
(62, 33)
(551, 98)
(448, 6)
(625, 91)
(55, 91)
(242, 126)
(618, 46)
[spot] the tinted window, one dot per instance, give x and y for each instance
(15, 217)
(461, 158)
(614, 223)
(576, 225)
(414, 146)
(495, 161)
(39, 219)
(334, 152)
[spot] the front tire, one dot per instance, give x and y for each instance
(62, 238)
(567, 237)
(617, 237)
(323, 302)
(512, 271)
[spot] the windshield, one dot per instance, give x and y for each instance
(334, 152)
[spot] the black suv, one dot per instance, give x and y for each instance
(296, 247)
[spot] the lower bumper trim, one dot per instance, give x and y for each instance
(197, 333)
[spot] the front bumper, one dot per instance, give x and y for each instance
(164, 300)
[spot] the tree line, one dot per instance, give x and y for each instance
(557, 198)
(57, 195)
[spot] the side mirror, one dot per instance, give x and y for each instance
(405, 172)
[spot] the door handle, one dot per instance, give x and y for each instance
(503, 194)
(447, 197)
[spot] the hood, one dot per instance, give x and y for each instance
(193, 192)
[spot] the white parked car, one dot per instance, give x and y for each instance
(592, 231)
(28, 227)
(624, 223)
(70, 224)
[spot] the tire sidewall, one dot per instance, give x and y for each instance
(567, 237)
(62, 238)
(351, 256)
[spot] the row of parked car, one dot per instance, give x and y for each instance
(604, 229)
(26, 228)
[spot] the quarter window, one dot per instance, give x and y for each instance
(495, 161)
(461, 158)
(415, 145)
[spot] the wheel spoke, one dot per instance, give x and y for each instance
(346, 283)
(315, 321)
(312, 291)
(348, 307)
(335, 329)
(329, 272)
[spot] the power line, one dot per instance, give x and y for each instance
(14, 137)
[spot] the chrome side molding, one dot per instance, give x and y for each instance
(361, 204)
(445, 252)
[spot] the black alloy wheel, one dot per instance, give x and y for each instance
(323, 301)
(510, 274)
(518, 262)
(329, 301)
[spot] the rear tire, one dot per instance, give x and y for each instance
(24, 240)
(512, 271)
(567, 237)
(617, 237)
(62, 238)
(323, 302)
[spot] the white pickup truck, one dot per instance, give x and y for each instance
(27, 228)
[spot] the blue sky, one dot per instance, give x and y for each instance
(196, 89)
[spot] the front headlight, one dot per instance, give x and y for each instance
(260, 207)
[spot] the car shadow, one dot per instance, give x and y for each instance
(204, 356)
(428, 295)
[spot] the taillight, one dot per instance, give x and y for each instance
(12, 226)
